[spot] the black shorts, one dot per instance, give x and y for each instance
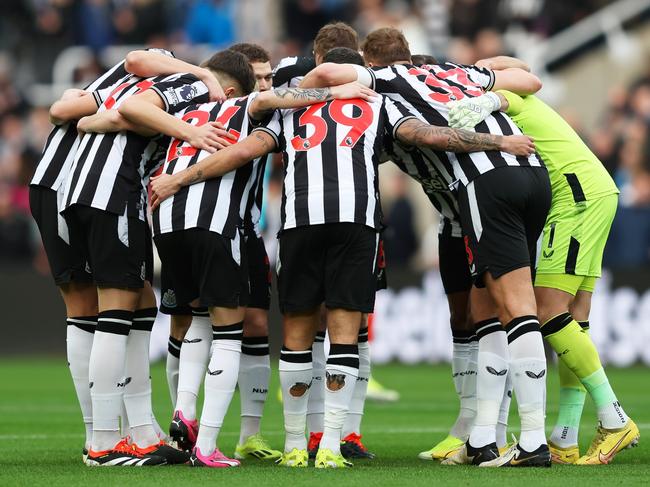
(503, 213)
(259, 271)
(454, 269)
(66, 265)
(117, 248)
(380, 267)
(201, 264)
(332, 263)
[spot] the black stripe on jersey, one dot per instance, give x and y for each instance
(301, 175)
(101, 156)
(328, 150)
(208, 202)
(60, 155)
(494, 156)
(507, 130)
(233, 220)
(77, 173)
(360, 177)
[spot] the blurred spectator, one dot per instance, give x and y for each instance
(400, 240)
(211, 22)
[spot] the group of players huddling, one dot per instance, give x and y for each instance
(335, 117)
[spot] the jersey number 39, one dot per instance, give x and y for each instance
(358, 125)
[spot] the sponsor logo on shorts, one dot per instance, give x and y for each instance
(169, 298)
(193, 340)
(215, 372)
(143, 271)
(126, 382)
(259, 391)
(87, 269)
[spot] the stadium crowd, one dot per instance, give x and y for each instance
(33, 33)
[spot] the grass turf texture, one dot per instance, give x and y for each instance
(41, 436)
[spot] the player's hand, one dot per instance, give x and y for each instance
(207, 137)
(468, 112)
(518, 145)
(352, 90)
(226, 139)
(214, 87)
(73, 93)
(162, 187)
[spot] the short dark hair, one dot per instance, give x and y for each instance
(335, 34)
(343, 55)
(233, 65)
(420, 59)
(385, 46)
(254, 52)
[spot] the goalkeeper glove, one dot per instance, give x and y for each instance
(468, 112)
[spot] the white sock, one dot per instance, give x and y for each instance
(254, 373)
(171, 367)
(463, 366)
(220, 383)
(137, 391)
(492, 372)
(528, 369)
(80, 333)
(355, 414)
(316, 405)
(106, 375)
(504, 412)
(295, 381)
(341, 374)
(195, 354)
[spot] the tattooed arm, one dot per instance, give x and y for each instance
(215, 165)
(279, 98)
(416, 132)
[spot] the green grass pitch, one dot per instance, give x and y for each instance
(41, 436)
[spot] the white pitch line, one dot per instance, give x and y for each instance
(366, 431)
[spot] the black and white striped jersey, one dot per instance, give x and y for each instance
(291, 70)
(426, 90)
(218, 204)
(111, 171)
(253, 213)
(331, 152)
(62, 143)
(423, 165)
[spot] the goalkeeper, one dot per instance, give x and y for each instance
(584, 200)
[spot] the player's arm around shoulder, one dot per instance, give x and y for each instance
(147, 109)
(215, 165)
(416, 132)
(73, 105)
(331, 74)
(286, 98)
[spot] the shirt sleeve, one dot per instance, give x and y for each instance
(101, 95)
(273, 127)
(291, 70)
(181, 91)
(483, 77)
(396, 115)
